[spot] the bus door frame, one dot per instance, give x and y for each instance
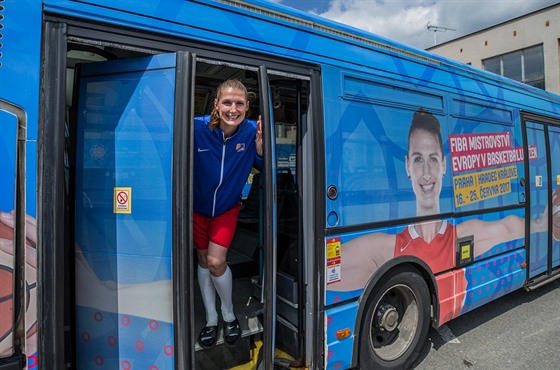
(270, 220)
(182, 179)
(544, 122)
(52, 272)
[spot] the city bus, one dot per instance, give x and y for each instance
(399, 189)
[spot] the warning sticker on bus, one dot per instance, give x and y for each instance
(122, 200)
(333, 260)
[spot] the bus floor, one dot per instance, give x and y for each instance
(245, 305)
(247, 308)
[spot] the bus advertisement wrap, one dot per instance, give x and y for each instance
(398, 189)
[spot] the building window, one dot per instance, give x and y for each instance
(525, 65)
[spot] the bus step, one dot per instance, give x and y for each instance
(12, 363)
(542, 280)
(282, 363)
(221, 356)
(249, 326)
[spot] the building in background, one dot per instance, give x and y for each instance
(526, 49)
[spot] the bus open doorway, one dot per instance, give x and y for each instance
(120, 124)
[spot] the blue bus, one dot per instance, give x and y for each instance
(400, 189)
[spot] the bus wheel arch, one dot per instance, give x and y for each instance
(395, 315)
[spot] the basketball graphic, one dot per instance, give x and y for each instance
(6, 302)
(6, 232)
(6, 306)
(6, 292)
(556, 214)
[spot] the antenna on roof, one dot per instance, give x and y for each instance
(436, 29)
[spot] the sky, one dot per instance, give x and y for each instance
(406, 21)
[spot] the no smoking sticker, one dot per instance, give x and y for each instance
(121, 200)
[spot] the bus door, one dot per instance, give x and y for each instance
(543, 151)
(133, 252)
(554, 144)
(284, 108)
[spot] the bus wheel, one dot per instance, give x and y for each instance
(396, 322)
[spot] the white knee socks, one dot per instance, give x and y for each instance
(223, 286)
(208, 296)
(209, 284)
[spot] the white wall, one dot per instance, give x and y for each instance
(540, 27)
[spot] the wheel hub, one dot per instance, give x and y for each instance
(387, 317)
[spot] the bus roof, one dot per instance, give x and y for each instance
(275, 29)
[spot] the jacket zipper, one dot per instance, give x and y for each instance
(221, 174)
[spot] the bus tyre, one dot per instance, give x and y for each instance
(396, 321)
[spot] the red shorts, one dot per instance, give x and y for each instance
(219, 229)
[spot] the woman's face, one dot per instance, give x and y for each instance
(232, 106)
(425, 166)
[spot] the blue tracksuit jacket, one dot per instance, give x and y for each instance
(222, 166)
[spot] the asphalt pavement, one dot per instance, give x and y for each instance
(517, 331)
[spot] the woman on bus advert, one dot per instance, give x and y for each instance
(434, 241)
